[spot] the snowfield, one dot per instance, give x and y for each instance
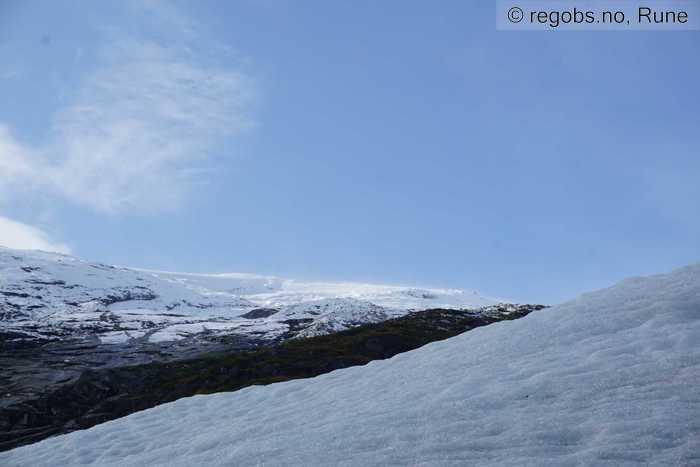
(48, 295)
(611, 378)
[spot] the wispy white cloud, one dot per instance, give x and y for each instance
(167, 13)
(15, 234)
(137, 133)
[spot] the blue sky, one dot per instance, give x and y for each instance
(396, 142)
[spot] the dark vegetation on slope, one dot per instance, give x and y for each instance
(105, 394)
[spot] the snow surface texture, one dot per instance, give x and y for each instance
(611, 378)
(48, 295)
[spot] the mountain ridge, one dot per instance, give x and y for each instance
(49, 295)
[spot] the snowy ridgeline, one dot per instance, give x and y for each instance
(611, 378)
(47, 295)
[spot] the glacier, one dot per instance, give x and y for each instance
(50, 296)
(610, 378)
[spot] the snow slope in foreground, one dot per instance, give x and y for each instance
(611, 378)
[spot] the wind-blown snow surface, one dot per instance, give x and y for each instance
(45, 295)
(611, 378)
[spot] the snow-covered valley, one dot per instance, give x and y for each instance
(610, 378)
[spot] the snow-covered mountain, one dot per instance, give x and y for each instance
(610, 378)
(48, 296)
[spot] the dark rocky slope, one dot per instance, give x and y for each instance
(105, 394)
